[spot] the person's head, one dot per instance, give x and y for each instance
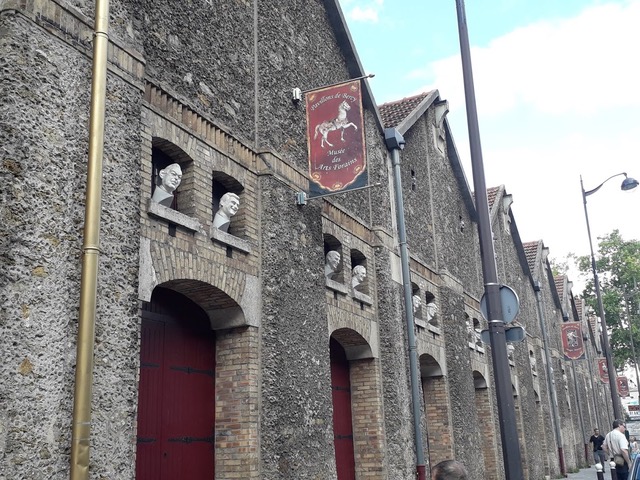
(596, 431)
(449, 470)
(359, 272)
(333, 259)
(170, 177)
(619, 425)
(229, 204)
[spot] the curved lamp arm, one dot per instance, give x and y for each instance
(629, 185)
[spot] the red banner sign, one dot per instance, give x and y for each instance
(572, 344)
(623, 386)
(602, 370)
(335, 139)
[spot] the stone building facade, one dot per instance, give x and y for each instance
(296, 376)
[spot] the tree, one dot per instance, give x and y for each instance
(618, 264)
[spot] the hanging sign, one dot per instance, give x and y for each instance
(623, 386)
(602, 370)
(572, 343)
(335, 139)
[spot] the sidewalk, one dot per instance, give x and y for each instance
(589, 474)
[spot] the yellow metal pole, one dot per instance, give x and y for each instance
(81, 429)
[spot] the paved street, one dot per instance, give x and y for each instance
(589, 474)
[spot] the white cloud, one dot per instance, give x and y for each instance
(556, 100)
(579, 64)
(363, 11)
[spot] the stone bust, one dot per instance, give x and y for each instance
(229, 204)
(332, 262)
(432, 312)
(170, 178)
(417, 303)
(359, 273)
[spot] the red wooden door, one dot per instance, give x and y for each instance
(342, 425)
(176, 404)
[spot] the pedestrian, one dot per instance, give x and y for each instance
(598, 453)
(449, 470)
(617, 446)
(633, 448)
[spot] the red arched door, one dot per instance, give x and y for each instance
(176, 401)
(342, 425)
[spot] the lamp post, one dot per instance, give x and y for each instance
(627, 184)
(495, 317)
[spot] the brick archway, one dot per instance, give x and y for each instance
(365, 402)
(176, 400)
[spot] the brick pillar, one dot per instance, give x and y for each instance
(488, 433)
(440, 438)
(521, 440)
(367, 418)
(237, 408)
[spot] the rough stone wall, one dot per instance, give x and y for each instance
(205, 53)
(44, 138)
(297, 431)
(439, 227)
(465, 423)
(395, 371)
(511, 272)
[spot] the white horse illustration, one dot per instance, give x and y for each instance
(341, 122)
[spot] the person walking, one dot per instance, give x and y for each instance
(598, 453)
(617, 446)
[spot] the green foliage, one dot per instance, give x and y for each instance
(618, 267)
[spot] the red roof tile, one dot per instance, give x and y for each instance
(392, 113)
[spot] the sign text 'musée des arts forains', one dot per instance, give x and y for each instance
(335, 139)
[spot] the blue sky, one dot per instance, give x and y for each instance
(558, 94)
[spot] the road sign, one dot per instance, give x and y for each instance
(512, 335)
(508, 300)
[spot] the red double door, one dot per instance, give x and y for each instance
(342, 424)
(176, 403)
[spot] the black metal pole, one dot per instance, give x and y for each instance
(606, 348)
(504, 395)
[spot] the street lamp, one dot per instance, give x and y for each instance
(495, 317)
(627, 184)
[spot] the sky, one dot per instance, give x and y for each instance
(557, 86)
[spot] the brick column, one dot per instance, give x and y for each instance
(436, 401)
(367, 418)
(488, 433)
(237, 408)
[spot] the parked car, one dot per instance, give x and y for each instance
(634, 472)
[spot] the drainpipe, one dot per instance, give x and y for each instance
(395, 142)
(595, 395)
(81, 429)
(550, 383)
(580, 412)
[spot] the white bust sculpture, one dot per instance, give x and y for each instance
(229, 204)
(532, 361)
(432, 312)
(359, 273)
(332, 262)
(470, 331)
(417, 303)
(170, 178)
(510, 350)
